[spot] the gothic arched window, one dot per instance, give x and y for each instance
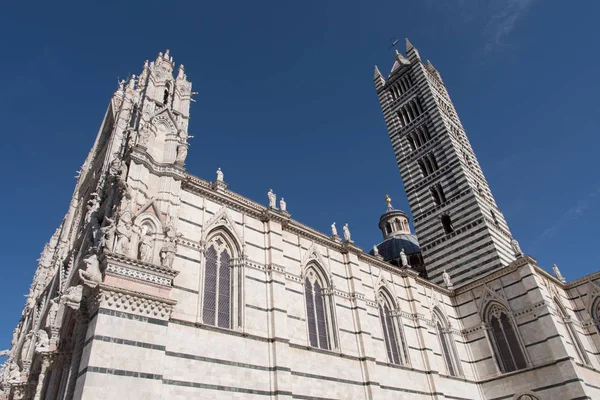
(447, 345)
(216, 309)
(568, 324)
(394, 341)
(505, 342)
(319, 311)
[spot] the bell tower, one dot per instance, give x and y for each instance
(459, 226)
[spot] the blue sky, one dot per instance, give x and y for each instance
(286, 101)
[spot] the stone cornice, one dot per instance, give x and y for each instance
(122, 266)
(140, 156)
(119, 299)
(492, 276)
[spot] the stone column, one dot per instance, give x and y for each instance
(42, 377)
(279, 359)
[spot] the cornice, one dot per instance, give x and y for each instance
(116, 298)
(140, 156)
(492, 276)
(129, 268)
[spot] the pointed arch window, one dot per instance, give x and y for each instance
(508, 351)
(222, 300)
(319, 311)
(392, 334)
(447, 345)
(573, 336)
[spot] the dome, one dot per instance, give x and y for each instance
(391, 247)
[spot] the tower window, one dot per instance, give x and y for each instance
(167, 93)
(447, 224)
(438, 194)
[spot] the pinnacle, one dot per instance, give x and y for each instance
(409, 45)
(377, 73)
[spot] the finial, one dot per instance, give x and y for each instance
(397, 52)
(388, 200)
(181, 74)
(160, 54)
(167, 54)
(409, 45)
(146, 64)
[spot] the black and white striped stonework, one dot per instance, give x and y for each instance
(459, 226)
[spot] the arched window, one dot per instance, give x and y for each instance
(319, 310)
(447, 345)
(447, 224)
(392, 334)
(221, 297)
(572, 333)
(505, 343)
(167, 93)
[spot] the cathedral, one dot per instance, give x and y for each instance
(162, 285)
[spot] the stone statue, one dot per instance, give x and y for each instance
(145, 246)
(558, 275)
(144, 136)
(43, 342)
(92, 206)
(115, 167)
(182, 150)
(26, 345)
(516, 247)
(375, 250)
(108, 234)
(447, 280)
(92, 269)
(16, 333)
(14, 374)
(167, 254)
(52, 313)
(73, 294)
(403, 259)
(346, 233)
(272, 199)
(333, 230)
(123, 231)
(219, 175)
(282, 204)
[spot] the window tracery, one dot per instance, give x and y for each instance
(447, 345)
(319, 311)
(392, 336)
(505, 343)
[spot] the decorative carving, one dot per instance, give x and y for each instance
(43, 341)
(135, 302)
(272, 199)
(14, 373)
(92, 269)
(26, 346)
(72, 297)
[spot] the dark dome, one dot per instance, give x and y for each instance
(390, 248)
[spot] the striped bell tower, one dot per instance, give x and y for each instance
(460, 228)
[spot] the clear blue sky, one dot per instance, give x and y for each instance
(286, 101)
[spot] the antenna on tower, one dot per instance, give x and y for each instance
(393, 44)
